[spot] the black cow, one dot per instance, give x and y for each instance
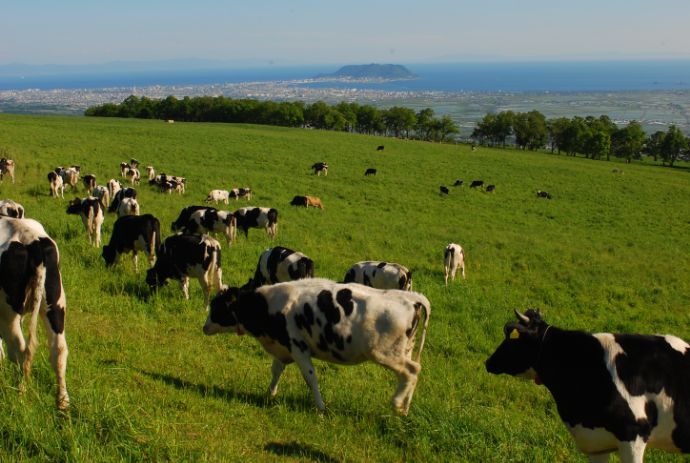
(458, 183)
(279, 264)
(299, 201)
(133, 233)
(183, 256)
(370, 171)
(477, 183)
(320, 167)
(379, 148)
(257, 217)
(119, 196)
(490, 188)
(543, 194)
(614, 392)
(89, 182)
(444, 190)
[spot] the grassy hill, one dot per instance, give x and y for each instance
(609, 252)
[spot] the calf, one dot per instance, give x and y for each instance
(128, 206)
(103, 195)
(381, 275)
(89, 181)
(150, 171)
(370, 171)
(7, 168)
(133, 233)
(339, 323)
(31, 284)
(490, 188)
(70, 176)
(614, 392)
(320, 167)
(183, 256)
(119, 196)
(543, 194)
(57, 187)
(218, 195)
(443, 190)
(458, 183)
(379, 148)
(91, 213)
(477, 183)
(279, 264)
(9, 208)
(257, 217)
(238, 193)
(124, 168)
(453, 258)
(211, 220)
(134, 175)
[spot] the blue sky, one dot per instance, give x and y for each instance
(327, 32)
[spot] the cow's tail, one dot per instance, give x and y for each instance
(308, 268)
(427, 311)
(155, 243)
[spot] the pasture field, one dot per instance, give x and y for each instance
(609, 252)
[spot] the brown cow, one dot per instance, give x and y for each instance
(313, 201)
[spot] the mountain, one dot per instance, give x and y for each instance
(370, 71)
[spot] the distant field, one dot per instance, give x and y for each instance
(609, 252)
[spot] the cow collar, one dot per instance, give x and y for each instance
(537, 379)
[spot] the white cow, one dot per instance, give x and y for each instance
(381, 275)
(128, 206)
(454, 258)
(218, 195)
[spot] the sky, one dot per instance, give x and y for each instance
(302, 32)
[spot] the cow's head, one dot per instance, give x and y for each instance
(109, 255)
(74, 206)
(154, 280)
(222, 316)
(519, 351)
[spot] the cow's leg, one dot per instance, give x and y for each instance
(184, 284)
(445, 274)
(276, 370)
(11, 332)
(135, 258)
(57, 344)
(309, 374)
(407, 371)
(462, 269)
(632, 451)
(205, 283)
(600, 458)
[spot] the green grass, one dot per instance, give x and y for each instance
(608, 253)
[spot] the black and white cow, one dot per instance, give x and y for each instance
(211, 220)
(6, 168)
(31, 284)
(320, 167)
(185, 214)
(150, 172)
(133, 233)
(340, 323)
(218, 196)
(89, 181)
(119, 196)
(238, 193)
(183, 256)
(381, 275)
(113, 187)
(477, 184)
(257, 217)
(458, 183)
(91, 213)
(9, 208)
(134, 175)
(57, 186)
(279, 264)
(453, 258)
(70, 176)
(443, 190)
(103, 195)
(614, 392)
(128, 206)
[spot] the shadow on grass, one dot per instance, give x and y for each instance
(258, 400)
(297, 450)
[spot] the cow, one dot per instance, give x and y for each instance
(211, 220)
(169, 183)
(128, 206)
(477, 184)
(91, 213)
(119, 196)
(150, 171)
(443, 190)
(257, 217)
(185, 215)
(103, 195)
(135, 175)
(299, 201)
(370, 171)
(57, 187)
(458, 183)
(543, 194)
(380, 275)
(31, 284)
(245, 193)
(133, 163)
(490, 188)
(6, 168)
(614, 392)
(89, 181)
(339, 323)
(70, 176)
(9, 208)
(113, 187)
(183, 256)
(453, 258)
(379, 148)
(133, 233)
(218, 195)
(124, 168)
(279, 264)
(314, 202)
(320, 167)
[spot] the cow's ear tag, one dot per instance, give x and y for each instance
(514, 334)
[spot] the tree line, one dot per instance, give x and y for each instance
(595, 138)
(396, 121)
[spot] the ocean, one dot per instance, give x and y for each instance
(571, 76)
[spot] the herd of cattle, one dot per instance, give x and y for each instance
(614, 392)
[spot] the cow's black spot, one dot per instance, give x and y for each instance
(402, 282)
(332, 337)
(17, 267)
(381, 265)
(252, 312)
(349, 339)
(349, 276)
(301, 345)
(301, 323)
(344, 298)
(325, 303)
(56, 317)
(318, 321)
(366, 280)
(337, 356)
(322, 345)
(308, 314)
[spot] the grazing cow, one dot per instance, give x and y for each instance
(133, 233)
(454, 258)
(89, 183)
(339, 323)
(238, 193)
(150, 172)
(7, 168)
(314, 202)
(9, 208)
(70, 176)
(380, 275)
(119, 196)
(91, 213)
(614, 392)
(31, 284)
(458, 183)
(128, 206)
(257, 217)
(113, 187)
(135, 175)
(490, 188)
(543, 194)
(477, 183)
(103, 195)
(379, 148)
(211, 220)
(56, 185)
(133, 163)
(279, 264)
(299, 201)
(168, 183)
(124, 168)
(320, 167)
(218, 195)
(185, 215)
(183, 256)
(370, 171)
(443, 190)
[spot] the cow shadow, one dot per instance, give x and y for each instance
(216, 392)
(299, 451)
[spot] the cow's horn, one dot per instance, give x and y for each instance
(521, 316)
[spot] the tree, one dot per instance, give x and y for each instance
(530, 130)
(597, 144)
(423, 125)
(399, 120)
(673, 145)
(654, 144)
(556, 129)
(628, 142)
